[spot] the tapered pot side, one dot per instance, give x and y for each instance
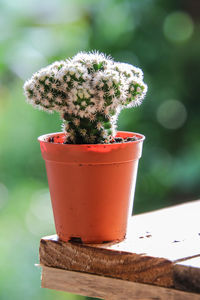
(92, 187)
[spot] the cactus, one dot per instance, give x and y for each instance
(89, 92)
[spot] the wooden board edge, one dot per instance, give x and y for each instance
(186, 275)
(107, 288)
(86, 259)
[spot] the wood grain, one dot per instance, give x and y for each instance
(107, 288)
(102, 261)
(187, 275)
(155, 251)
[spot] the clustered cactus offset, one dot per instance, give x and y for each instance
(88, 91)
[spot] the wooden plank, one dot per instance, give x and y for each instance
(187, 275)
(107, 288)
(154, 243)
(102, 261)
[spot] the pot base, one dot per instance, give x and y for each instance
(78, 240)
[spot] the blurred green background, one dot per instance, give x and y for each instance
(161, 37)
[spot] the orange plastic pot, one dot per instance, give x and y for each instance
(92, 187)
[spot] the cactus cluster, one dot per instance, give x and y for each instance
(88, 91)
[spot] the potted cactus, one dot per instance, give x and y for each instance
(91, 168)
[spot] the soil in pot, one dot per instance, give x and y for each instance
(61, 140)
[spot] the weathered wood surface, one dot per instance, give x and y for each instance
(108, 288)
(187, 275)
(154, 252)
(102, 261)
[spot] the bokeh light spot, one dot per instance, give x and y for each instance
(178, 27)
(39, 217)
(24, 60)
(119, 22)
(172, 114)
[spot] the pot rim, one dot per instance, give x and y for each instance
(44, 138)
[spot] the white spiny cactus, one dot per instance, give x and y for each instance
(88, 91)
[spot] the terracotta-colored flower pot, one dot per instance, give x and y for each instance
(91, 186)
